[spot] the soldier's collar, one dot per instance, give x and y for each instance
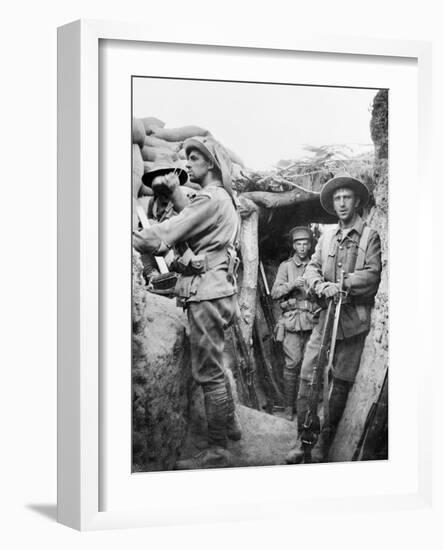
(214, 184)
(297, 260)
(358, 227)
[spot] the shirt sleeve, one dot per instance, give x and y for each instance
(196, 217)
(313, 273)
(281, 285)
(365, 281)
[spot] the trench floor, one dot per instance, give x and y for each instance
(266, 439)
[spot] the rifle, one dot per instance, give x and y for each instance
(246, 370)
(269, 351)
(268, 370)
(311, 424)
(266, 300)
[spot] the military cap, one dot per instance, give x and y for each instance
(301, 232)
(162, 168)
(340, 182)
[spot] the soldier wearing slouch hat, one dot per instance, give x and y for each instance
(204, 233)
(352, 249)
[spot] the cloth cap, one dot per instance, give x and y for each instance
(162, 168)
(214, 152)
(340, 182)
(301, 232)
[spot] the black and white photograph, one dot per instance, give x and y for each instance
(260, 275)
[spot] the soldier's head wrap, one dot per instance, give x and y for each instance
(301, 232)
(217, 154)
(342, 182)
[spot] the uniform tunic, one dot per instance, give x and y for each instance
(208, 225)
(361, 285)
(298, 307)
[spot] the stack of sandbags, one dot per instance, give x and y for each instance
(153, 143)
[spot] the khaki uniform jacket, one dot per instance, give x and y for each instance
(361, 285)
(208, 225)
(300, 318)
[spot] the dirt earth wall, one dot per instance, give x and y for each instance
(375, 354)
(161, 378)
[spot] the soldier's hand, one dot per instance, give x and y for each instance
(299, 282)
(172, 181)
(145, 241)
(165, 184)
(330, 290)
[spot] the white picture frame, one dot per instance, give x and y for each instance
(80, 294)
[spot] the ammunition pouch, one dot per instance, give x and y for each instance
(197, 264)
(301, 305)
(280, 330)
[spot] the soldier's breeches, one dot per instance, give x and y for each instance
(337, 401)
(293, 347)
(346, 359)
(207, 322)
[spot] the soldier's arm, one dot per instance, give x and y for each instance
(281, 285)
(313, 272)
(365, 281)
(197, 216)
(179, 199)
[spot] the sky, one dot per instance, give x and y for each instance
(262, 123)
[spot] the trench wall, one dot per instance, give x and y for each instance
(376, 352)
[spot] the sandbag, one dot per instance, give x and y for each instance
(148, 166)
(138, 132)
(182, 154)
(153, 141)
(155, 154)
(150, 123)
(180, 134)
(137, 169)
(180, 163)
(236, 171)
(234, 157)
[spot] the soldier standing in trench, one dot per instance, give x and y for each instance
(204, 233)
(298, 305)
(354, 248)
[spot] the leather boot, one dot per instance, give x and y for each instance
(337, 404)
(290, 383)
(233, 429)
(302, 404)
(296, 454)
(216, 407)
(321, 450)
(212, 457)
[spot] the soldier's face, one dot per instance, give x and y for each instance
(345, 204)
(197, 166)
(302, 248)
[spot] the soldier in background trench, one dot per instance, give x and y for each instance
(298, 305)
(204, 234)
(354, 248)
